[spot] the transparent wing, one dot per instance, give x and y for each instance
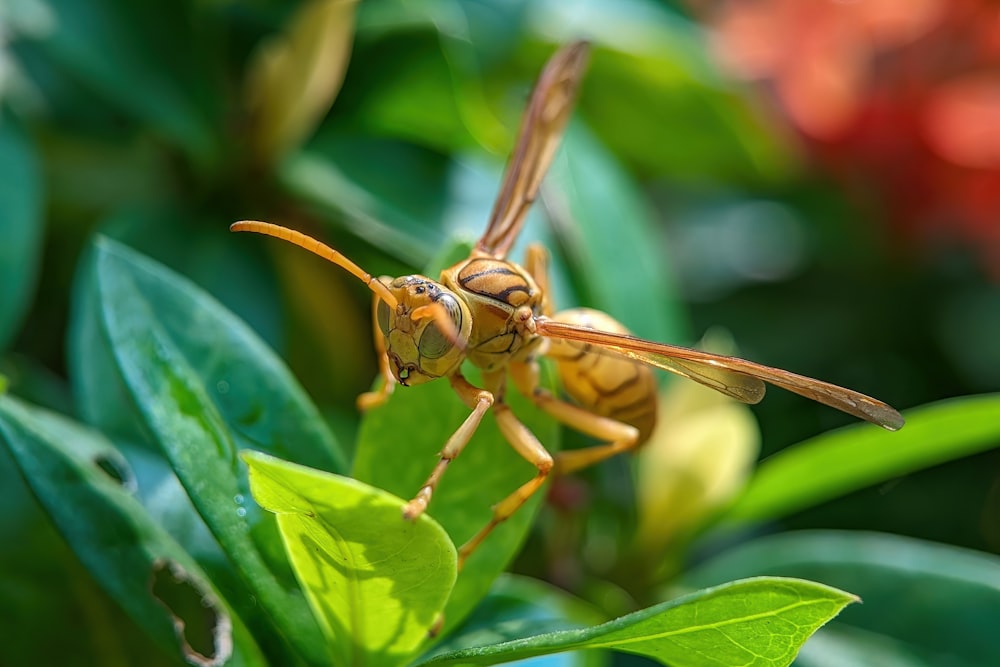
(741, 379)
(541, 129)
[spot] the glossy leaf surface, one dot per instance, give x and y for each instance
(851, 458)
(177, 407)
(375, 582)
(608, 228)
(756, 622)
(84, 484)
(262, 405)
(21, 226)
(935, 602)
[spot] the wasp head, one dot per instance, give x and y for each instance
(425, 335)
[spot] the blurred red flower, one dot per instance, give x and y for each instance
(900, 95)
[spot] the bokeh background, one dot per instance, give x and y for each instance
(819, 179)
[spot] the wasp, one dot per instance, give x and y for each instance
(497, 315)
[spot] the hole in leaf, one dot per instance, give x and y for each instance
(117, 470)
(204, 629)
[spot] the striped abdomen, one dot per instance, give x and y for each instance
(603, 383)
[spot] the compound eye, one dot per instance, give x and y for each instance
(434, 343)
(382, 315)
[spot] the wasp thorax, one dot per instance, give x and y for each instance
(426, 334)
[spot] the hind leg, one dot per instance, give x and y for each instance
(618, 436)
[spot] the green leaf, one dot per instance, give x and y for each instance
(437, 70)
(31, 380)
(389, 193)
(838, 644)
(492, 29)
(410, 430)
(851, 458)
(102, 399)
(376, 583)
(762, 621)
(128, 53)
(93, 165)
(83, 483)
(655, 98)
(935, 601)
(200, 247)
(21, 226)
(160, 342)
(519, 607)
(609, 232)
(262, 405)
(408, 86)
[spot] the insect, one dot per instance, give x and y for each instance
(497, 315)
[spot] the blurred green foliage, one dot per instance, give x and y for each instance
(675, 204)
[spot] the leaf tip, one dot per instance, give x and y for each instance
(254, 458)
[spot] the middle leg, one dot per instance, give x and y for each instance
(527, 445)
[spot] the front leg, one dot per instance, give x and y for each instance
(479, 400)
(374, 399)
(527, 445)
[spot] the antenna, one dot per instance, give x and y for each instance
(317, 248)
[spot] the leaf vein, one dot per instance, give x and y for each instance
(709, 626)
